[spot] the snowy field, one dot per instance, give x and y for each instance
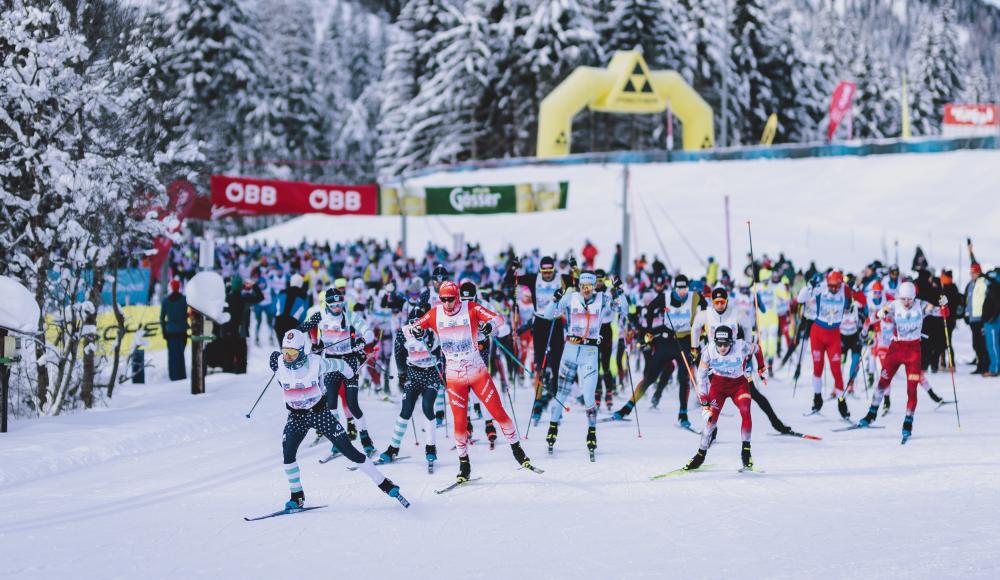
(839, 211)
(156, 486)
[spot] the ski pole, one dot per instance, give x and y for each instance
(798, 367)
(756, 307)
(274, 374)
(951, 361)
(416, 440)
(631, 381)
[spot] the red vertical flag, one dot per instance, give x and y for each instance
(840, 104)
(181, 196)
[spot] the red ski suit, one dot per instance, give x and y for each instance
(464, 368)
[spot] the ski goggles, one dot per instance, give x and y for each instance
(448, 299)
(290, 354)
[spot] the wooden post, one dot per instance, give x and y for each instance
(4, 380)
(197, 353)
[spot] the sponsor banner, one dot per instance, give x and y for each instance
(133, 286)
(248, 196)
(139, 320)
(840, 105)
(475, 199)
(181, 198)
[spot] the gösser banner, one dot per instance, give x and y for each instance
(265, 196)
(476, 199)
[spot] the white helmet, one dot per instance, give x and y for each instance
(906, 291)
(294, 339)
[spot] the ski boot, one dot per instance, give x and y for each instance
(655, 402)
(770, 369)
(817, 403)
(625, 411)
(367, 444)
(390, 455)
(885, 405)
(297, 501)
(491, 432)
(439, 418)
(431, 451)
(842, 407)
(696, 461)
(536, 413)
(609, 399)
(550, 437)
(870, 417)
(592, 441)
(519, 454)
(782, 428)
(907, 427)
(464, 469)
(479, 411)
(745, 456)
(352, 431)
(934, 396)
(682, 419)
(390, 488)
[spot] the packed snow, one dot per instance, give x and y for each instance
(206, 293)
(161, 480)
(18, 309)
(840, 211)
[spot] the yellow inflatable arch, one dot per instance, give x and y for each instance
(626, 86)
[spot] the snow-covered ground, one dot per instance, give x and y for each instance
(839, 211)
(157, 486)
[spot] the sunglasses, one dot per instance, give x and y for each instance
(447, 300)
(291, 353)
(720, 301)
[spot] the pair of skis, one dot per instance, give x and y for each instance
(466, 482)
(290, 511)
(706, 467)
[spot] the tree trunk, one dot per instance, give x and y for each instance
(41, 389)
(120, 321)
(90, 340)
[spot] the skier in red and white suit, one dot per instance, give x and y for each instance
(457, 325)
(831, 302)
(907, 315)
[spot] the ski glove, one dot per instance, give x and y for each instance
(558, 294)
(486, 328)
(706, 412)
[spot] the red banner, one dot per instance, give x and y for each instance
(181, 198)
(840, 104)
(975, 115)
(247, 196)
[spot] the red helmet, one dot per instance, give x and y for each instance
(449, 290)
(877, 286)
(835, 278)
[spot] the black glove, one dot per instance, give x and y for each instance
(417, 332)
(515, 263)
(558, 294)
(273, 362)
(486, 328)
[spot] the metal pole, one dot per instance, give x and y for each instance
(625, 223)
(729, 241)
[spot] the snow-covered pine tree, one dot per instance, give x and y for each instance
(712, 67)
(753, 46)
(215, 54)
(977, 85)
(934, 71)
(876, 102)
(799, 93)
(559, 37)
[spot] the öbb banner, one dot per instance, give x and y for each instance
(249, 196)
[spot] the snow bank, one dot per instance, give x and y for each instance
(206, 293)
(841, 211)
(18, 309)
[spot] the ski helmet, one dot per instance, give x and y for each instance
(907, 291)
(720, 294)
(680, 282)
(547, 264)
(448, 293)
(439, 273)
(467, 291)
(334, 300)
(834, 278)
(659, 279)
(293, 349)
(723, 335)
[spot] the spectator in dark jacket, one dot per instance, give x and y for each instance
(991, 322)
(174, 326)
(956, 302)
(931, 347)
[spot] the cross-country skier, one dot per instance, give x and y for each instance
(419, 379)
(301, 378)
(547, 331)
(583, 311)
(907, 315)
(343, 336)
(832, 301)
(457, 324)
(724, 373)
(606, 347)
(721, 314)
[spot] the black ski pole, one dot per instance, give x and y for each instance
(274, 374)
(539, 373)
